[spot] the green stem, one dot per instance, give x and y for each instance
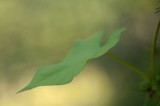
(133, 68)
(153, 73)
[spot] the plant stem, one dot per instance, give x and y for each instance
(153, 72)
(133, 68)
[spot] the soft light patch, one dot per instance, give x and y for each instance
(90, 88)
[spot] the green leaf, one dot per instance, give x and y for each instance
(74, 63)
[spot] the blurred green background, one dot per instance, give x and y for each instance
(41, 32)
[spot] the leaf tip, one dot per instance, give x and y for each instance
(24, 89)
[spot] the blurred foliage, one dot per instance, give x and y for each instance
(41, 32)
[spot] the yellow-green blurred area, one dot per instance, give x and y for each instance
(41, 32)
